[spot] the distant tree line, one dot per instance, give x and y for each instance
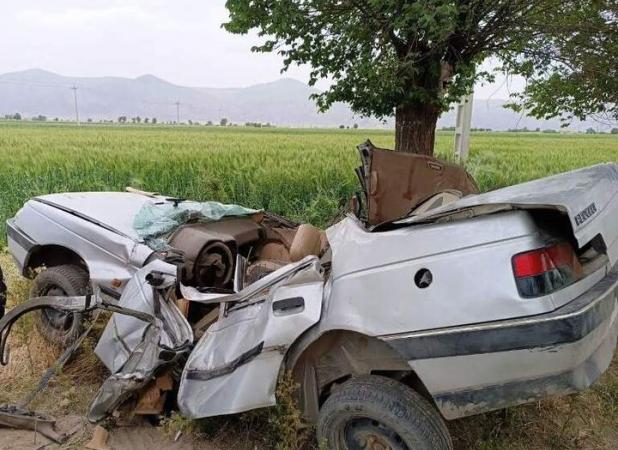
(225, 122)
(342, 127)
(258, 124)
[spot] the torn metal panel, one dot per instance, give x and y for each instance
(146, 333)
(15, 417)
(143, 362)
(123, 333)
(397, 182)
(235, 365)
(133, 349)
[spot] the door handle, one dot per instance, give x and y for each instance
(288, 304)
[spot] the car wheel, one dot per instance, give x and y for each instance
(59, 327)
(375, 412)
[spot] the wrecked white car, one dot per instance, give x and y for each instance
(429, 302)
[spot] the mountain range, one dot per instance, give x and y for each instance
(285, 102)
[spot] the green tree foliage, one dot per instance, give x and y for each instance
(415, 58)
(569, 57)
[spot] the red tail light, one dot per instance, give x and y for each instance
(546, 270)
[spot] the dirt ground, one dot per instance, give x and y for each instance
(588, 420)
(124, 438)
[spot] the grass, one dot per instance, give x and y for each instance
(302, 174)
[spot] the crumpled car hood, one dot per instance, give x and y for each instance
(115, 210)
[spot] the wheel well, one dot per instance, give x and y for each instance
(322, 364)
(50, 256)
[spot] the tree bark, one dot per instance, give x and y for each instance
(415, 128)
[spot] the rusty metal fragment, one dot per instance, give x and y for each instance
(20, 418)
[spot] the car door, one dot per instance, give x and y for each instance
(235, 365)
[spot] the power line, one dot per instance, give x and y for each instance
(177, 112)
(74, 89)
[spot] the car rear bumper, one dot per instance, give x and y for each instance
(19, 244)
(474, 369)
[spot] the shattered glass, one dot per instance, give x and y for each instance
(155, 221)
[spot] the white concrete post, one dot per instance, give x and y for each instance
(462, 127)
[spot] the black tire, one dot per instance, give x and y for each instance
(68, 280)
(376, 412)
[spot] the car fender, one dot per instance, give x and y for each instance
(108, 255)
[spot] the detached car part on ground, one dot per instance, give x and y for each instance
(431, 302)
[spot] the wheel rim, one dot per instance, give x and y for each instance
(59, 320)
(369, 434)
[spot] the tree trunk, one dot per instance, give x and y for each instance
(415, 128)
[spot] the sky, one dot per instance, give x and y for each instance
(180, 41)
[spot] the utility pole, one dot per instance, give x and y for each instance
(74, 89)
(462, 127)
(177, 112)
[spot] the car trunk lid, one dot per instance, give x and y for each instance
(588, 197)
